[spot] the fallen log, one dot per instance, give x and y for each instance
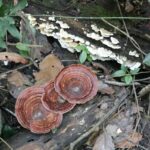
(97, 34)
(81, 121)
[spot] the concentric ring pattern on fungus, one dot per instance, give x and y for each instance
(76, 83)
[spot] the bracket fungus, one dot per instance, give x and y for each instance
(101, 43)
(32, 115)
(41, 108)
(76, 83)
(52, 101)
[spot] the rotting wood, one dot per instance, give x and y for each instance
(75, 123)
(101, 40)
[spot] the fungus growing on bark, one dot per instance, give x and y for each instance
(76, 83)
(52, 101)
(32, 115)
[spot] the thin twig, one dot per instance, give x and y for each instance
(6, 143)
(123, 20)
(88, 17)
(24, 66)
(131, 38)
(68, 60)
(29, 45)
(144, 79)
(135, 44)
(143, 72)
(9, 111)
(1, 86)
(119, 83)
(148, 111)
(137, 104)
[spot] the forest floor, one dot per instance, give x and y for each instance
(119, 115)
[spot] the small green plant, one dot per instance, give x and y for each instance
(7, 22)
(126, 75)
(84, 54)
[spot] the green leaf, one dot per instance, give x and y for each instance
(3, 30)
(2, 43)
(123, 68)
(8, 131)
(24, 53)
(135, 71)
(119, 73)
(24, 49)
(81, 48)
(128, 79)
(22, 46)
(83, 57)
(89, 58)
(146, 60)
(21, 5)
(9, 20)
(14, 31)
(5, 24)
(1, 3)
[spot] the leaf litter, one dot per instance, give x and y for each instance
(120, 131)
(49, 67)
(17, 82)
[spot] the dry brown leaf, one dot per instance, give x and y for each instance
(131, 141)
(14, 57)
(17, 82)
(105, 88)
(145, 90)
(49, 68)
(129, 7)
(17, 78)
(104, 142)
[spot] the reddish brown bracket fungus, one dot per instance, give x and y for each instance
(32, 115)
(76, 83)
(22, 98)
(52, 101)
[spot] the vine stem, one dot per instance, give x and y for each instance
(6, 143)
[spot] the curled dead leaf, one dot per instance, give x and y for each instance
(145, 90)
(49, 68)
(131, 141)
(14, 57)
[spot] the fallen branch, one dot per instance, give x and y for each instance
(86, 134)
